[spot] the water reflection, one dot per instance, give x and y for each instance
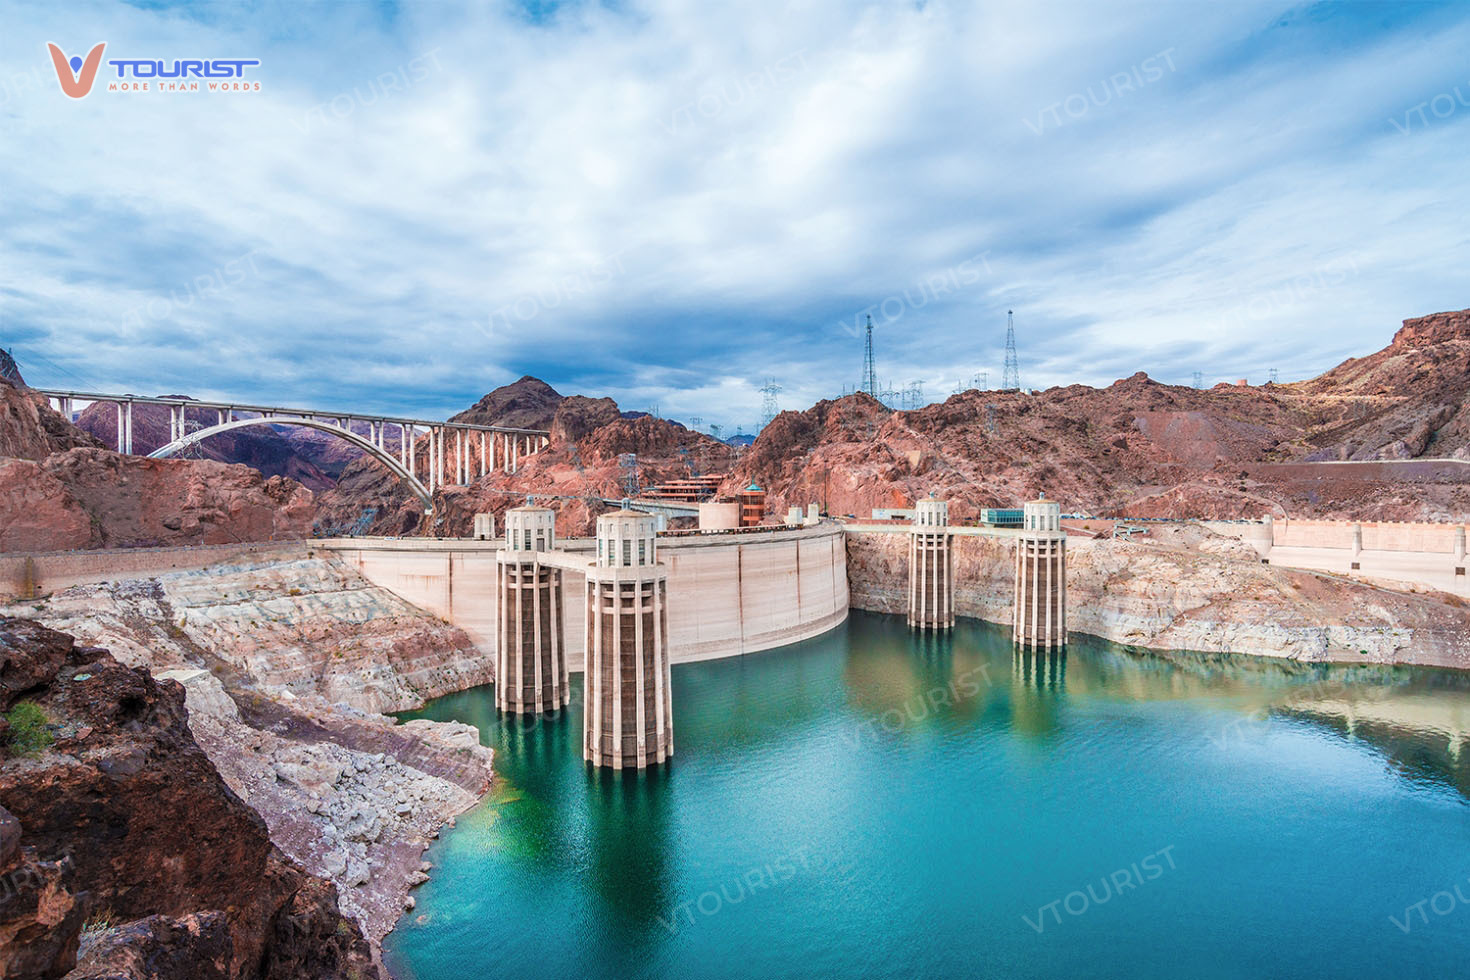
(880, 747)
(630, 839)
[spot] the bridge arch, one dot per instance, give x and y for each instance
(382, 456)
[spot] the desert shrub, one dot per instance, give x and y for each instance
(28, 732)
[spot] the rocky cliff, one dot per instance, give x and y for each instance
(118, 823)
(286, 665)
(95, 498)
(31, 429)
(1194, 590)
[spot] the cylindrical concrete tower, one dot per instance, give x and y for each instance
(1040, 614)
(530, 655)
(629, 720)
(931, 567)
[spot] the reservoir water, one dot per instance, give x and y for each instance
(878, 803)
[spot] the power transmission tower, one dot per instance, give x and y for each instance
(653, 410)
(628, 463)
(913, 396)
(695, 421)
(888, 396)
(1011, 377)
(1273, 376)
(769, 409)
(870, 372)
(1199, 379)
(981, 381)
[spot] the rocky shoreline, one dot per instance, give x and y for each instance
(285, 667)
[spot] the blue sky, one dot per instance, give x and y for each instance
(670, 202)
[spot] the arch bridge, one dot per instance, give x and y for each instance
(453, 453)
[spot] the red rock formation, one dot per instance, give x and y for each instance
(31, 429)
(1434, 329)
(527, 403)
(127, 802)
(1144, 448)
(93, 498)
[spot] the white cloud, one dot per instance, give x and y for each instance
(688, 198)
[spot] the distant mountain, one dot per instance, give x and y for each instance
(1142, 448)
(269, 449)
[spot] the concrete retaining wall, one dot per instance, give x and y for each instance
(26, 575)
(1416, 552)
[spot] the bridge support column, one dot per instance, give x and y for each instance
(120, 427)
(628, 720)
(482, 453)
(931, 567)
(1040, 611)
(531, 666)
(128, 425)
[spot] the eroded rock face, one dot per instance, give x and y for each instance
(129, 801)
(1434, 329)
(1202, 592)
(95, 498)
(193, 947)
(31, 429)
(269, 656)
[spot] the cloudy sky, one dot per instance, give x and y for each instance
(671, 202)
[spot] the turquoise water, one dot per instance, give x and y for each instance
(876, 803)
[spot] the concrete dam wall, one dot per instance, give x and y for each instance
(728, 595)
